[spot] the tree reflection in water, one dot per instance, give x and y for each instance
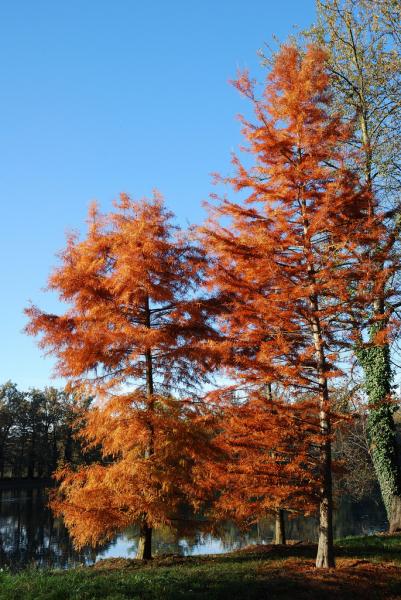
(30, 535)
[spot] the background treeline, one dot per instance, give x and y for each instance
(37, 431)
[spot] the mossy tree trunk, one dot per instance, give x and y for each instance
(376, 364)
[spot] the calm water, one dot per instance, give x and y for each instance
(29, 534)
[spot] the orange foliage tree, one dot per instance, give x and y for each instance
(128, 338)
(288, 259)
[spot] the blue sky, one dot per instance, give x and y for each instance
(103, 96)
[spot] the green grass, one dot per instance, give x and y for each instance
(377, 548)
(266, 573)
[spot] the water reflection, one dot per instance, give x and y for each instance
(30, 535)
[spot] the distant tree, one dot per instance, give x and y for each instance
(130, 339)
(53, 417)
(287, 261)
(33, 430)
(37, 430)
(11, 400)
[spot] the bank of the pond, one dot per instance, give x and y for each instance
(368, 567)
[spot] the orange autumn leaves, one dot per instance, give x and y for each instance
(129, 285)
(291, 260)
(269, 459)
(129, 338)
(298, 234)
(140, 330)
(129, 484)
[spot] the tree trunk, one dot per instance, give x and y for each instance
(279, 529)
(144, 551)
(325, 550)
(279, 525)
(145, 537)
(376, 364)
(395, 514)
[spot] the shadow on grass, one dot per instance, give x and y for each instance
(250, 580)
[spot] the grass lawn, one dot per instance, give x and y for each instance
(367, 568)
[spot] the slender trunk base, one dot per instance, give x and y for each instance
(279, 530)
(325, 548)
(144, 551)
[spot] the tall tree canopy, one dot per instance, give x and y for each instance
(287, 260)
(128, 337)
(363, 41)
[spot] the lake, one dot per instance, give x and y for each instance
(31, 536)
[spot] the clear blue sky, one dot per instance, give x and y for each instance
(103, 96)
